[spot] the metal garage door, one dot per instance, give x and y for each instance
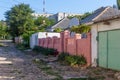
(109, 49)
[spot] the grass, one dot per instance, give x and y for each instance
(2, 45)
(82, 79)
(47, 69)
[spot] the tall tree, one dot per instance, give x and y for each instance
(3, 30)
(19, 19)
(118, 4)
(42, 23)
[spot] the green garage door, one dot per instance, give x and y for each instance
(102, 49)
(109, 49)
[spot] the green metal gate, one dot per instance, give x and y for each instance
(109, 49)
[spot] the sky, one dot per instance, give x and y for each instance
(54, 6)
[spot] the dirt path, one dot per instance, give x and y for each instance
(14, 65)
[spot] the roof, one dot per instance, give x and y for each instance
(62, 24)
(108, 13)
(103, 13)
(92, 16)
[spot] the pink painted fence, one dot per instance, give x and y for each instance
(73, 45)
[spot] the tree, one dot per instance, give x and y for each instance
(43, 23)
(80, 17)
(118, 4)
(57, 30)
(80, 29)
(3, 30)
(19, 19)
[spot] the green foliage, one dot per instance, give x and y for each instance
(62, 56)
(57, 30)
(83, 79)
(75, 60)
(21, 47)
(19, 19)
(3, 31)
(42, 23)
(85, 15)
(72, 59)
(80, 29)
(45, 51)
(26, 37)
(118, 4)
(80, 17)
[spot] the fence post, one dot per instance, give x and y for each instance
(77, 36)
(65, 37)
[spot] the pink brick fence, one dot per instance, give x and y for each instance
(73, 45)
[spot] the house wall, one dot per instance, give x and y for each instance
(101, 26)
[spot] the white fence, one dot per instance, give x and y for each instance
(34, 37)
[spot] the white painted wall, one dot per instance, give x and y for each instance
(34, 37)
(94, 45)
(114, 24)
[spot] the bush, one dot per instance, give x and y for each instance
(22, 46)
(45, 51)
(72, 59)
(75, 60)
(62, 56)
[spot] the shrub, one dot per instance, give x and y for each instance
(62, 56)
(22, 46)
(75, 60)
(72, 59)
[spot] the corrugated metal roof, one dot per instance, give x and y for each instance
(102, 14)
(92, 16)
(109, 13)
(62, 24)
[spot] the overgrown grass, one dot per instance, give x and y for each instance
(2, 45)
(82, 79)
(72, 59)
(21, 46)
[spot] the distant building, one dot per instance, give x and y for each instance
(57, 17)
(64, 24)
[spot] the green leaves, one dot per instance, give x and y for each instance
(43, 23)
(3, 30)
(58, 30)
(80, 29)
(118, 4)
(19, 19)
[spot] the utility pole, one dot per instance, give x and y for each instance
(44, 6)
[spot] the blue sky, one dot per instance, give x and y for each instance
(54, 6)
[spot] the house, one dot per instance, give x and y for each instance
(105, 39)
(57, 17)
(65, 24)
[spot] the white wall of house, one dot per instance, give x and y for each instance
(33, 40)
(34, 37)
(114, 24)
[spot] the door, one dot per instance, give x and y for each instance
(109, 49)
(102, 48)
(114, 49)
